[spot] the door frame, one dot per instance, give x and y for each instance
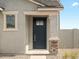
(29, 47)
(39, 13)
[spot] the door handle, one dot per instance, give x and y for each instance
(34, 37)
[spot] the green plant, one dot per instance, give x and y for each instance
(66, 55)
(74, 55)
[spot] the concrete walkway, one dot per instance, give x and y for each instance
(59, 56)
(8, 56)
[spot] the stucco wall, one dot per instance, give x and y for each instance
(15, 41)
(69, 38)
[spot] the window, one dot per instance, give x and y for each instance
(10, 20)
(39, 22)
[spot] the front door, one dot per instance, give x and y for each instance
(39, 32)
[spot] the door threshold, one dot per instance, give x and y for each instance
(39, 49)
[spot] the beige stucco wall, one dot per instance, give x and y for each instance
(16, 41)
(69, 38)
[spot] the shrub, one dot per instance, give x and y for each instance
(72, 55)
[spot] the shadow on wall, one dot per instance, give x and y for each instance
(7, 55)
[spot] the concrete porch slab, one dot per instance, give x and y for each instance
(37, 57)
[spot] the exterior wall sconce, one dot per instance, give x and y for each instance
(1, 8)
